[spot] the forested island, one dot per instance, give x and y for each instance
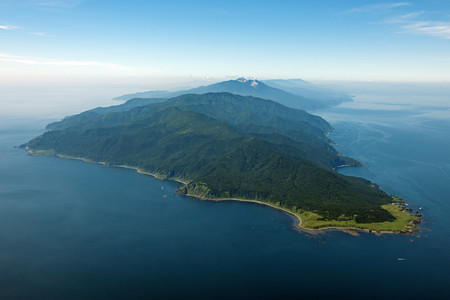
(224, 146)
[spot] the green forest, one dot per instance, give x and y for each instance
(224, 146)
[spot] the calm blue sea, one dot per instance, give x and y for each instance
(75, 230)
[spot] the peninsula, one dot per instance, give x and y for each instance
(224, 146)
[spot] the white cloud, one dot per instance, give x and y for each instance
(38, 33)
(8, 27)
(376, 8)
(438, 29)
(56, 3)
(53, 62)
(411, 22)
(402, 19)
(41, 3)
(411, 15)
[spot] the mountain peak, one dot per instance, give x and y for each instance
(253, 82)
(292, 93)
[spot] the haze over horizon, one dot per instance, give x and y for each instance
(96, 50)
(327, 40)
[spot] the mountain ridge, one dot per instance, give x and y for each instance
(252, 87)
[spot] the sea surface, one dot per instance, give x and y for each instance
(76, 230)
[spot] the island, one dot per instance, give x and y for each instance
(223, 146)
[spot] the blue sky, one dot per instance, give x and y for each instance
(314, 40)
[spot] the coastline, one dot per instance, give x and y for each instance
(251, 201)
(140, 171)
(350, 230)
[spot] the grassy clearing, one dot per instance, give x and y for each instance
(310, 220)
(401, 224)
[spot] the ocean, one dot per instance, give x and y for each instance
(76, 230)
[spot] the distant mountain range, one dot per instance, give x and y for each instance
(323, 97)
(293, 93)
(224, 145)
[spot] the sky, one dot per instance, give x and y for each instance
(134, 43)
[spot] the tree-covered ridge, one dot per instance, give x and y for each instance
(232, 108)
(264, 119)
(220, 159)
